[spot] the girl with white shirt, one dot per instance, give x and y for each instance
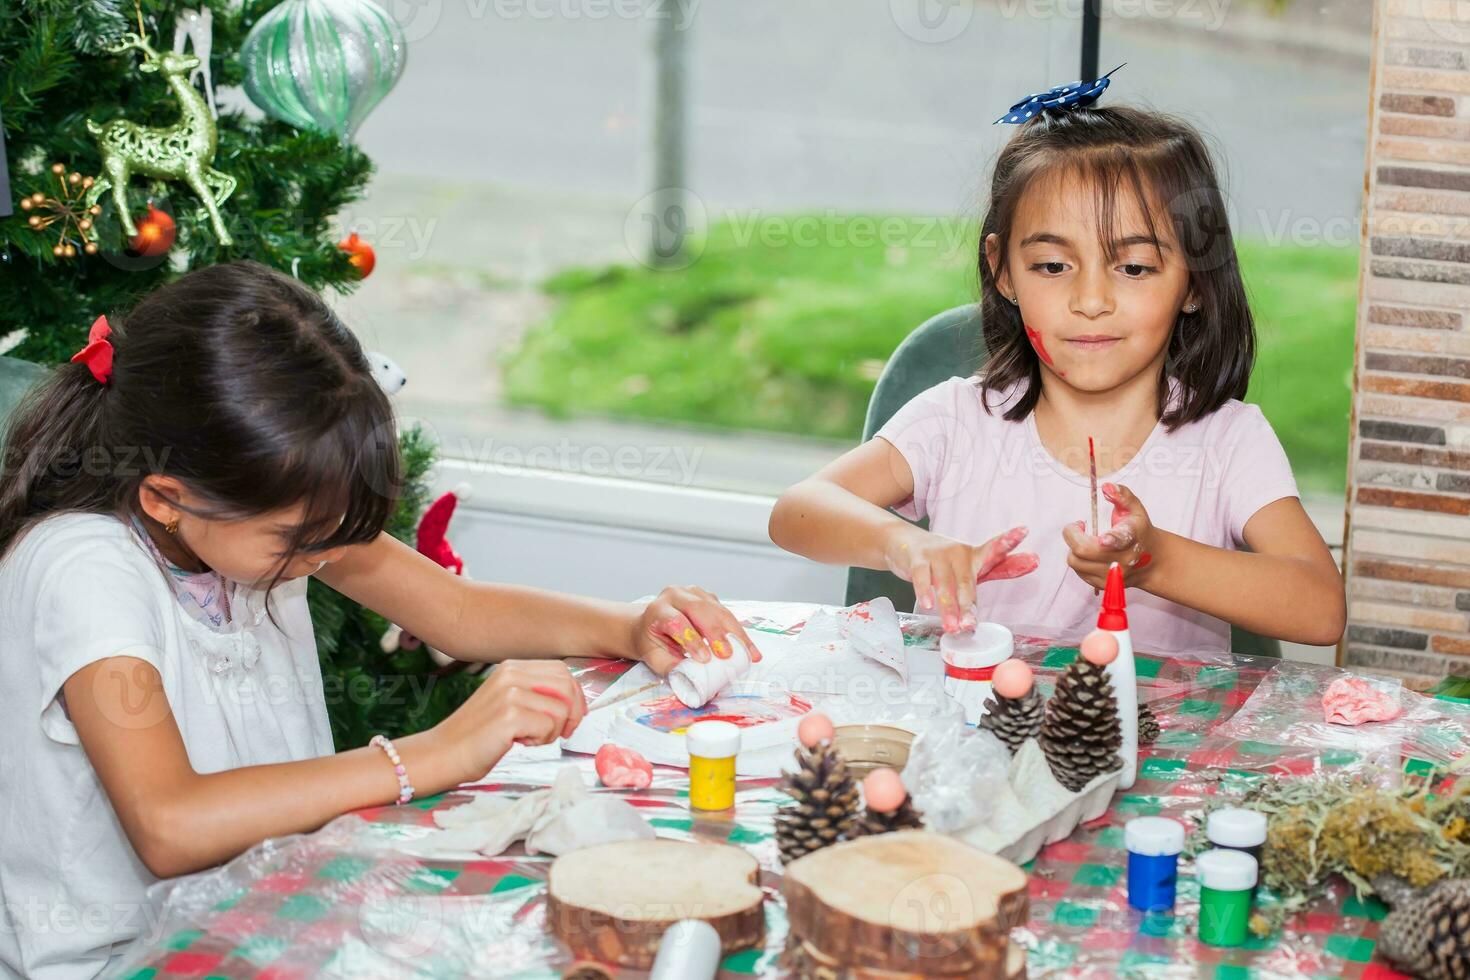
(163, 500)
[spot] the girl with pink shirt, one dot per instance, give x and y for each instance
(1113, 309)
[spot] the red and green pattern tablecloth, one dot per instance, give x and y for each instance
(342, 902)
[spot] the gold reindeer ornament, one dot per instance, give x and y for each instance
(183, 151)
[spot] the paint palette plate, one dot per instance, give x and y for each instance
(657, 726)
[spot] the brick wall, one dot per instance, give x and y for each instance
(1408, 517)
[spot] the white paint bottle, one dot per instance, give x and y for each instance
(1114, 619)
(970, 660)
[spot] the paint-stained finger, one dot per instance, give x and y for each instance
(1013, 566)
(944, 591)
(1082, 544)
(994, 551)
(1120, 535)
(964, 580)
(687, 637)
(715, 623)
(923, 581)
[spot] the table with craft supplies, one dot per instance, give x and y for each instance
(348, 901)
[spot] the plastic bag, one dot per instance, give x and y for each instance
(954, 774)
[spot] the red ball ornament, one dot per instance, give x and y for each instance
(156, 233)
(360, 254)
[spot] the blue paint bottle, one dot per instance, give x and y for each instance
(1153, 846)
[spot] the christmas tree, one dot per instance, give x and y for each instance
(67, 63)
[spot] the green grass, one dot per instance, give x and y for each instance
(760, 333)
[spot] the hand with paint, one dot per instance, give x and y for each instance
(1128, 541)
(526, 702)
(686, 622)
(945, 572)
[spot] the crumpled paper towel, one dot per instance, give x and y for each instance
(870, 628)
(1355, 700)
(558, 820)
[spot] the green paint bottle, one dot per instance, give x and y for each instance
(1226, 880)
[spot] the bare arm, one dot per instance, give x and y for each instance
(180, 821)
(840, 515)
(1286, 586)
(484, 621)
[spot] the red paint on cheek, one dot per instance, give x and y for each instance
(1036, 342)
(1144, 559)
(1040, 347)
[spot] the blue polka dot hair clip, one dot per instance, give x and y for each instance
(1073, 95)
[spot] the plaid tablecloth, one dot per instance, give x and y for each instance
(343, 902)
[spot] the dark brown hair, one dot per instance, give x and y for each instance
(236, 380)
(1162, 161)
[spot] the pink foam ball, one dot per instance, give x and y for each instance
(1012, 679)
(884, 791)
(1100, 648)
(814, 728)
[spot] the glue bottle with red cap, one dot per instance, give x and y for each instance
(1114, 620)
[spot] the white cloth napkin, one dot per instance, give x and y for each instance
(558, 820)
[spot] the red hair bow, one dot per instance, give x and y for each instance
(97, 355)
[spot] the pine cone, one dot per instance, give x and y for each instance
(824, 803)
(1013, 720)
(906, 817)
(1430, 935)
(1081, 735)
(1148, 725)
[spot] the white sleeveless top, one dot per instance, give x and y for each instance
(75, 589)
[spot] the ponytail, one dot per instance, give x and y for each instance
(57, 455)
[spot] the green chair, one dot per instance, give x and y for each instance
(945, 346)
(16, 378)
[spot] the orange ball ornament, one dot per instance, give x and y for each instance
(884, 791)
(815, 727)
(360, 254)
(1012, 679)
(1100, 648)
(156, 233)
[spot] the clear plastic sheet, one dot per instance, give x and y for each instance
(344, 907)
(1286, 709)
(345, 901)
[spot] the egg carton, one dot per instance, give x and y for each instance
(1032, 809)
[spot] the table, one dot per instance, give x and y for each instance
(339, 903)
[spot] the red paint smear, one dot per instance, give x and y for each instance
(1040, 346)
(1144, 559)
(1036, 342)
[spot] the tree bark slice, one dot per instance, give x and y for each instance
(613, 902)
(913, 902)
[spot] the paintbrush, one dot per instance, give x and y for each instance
(626, 696)
(1092, 464)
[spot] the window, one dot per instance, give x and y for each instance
(835, 154)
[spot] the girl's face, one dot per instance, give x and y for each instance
(1095, 323)
(248, 550)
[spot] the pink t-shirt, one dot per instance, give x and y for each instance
(977, 475)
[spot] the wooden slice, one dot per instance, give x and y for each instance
(913, 902)
(807, 963)
(613, 902)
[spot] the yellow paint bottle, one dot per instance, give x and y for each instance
(713, 746)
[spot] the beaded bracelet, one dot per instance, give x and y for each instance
(405, 788)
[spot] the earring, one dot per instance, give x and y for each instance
(1013, 300)
(172, 527)
(1191, 309)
